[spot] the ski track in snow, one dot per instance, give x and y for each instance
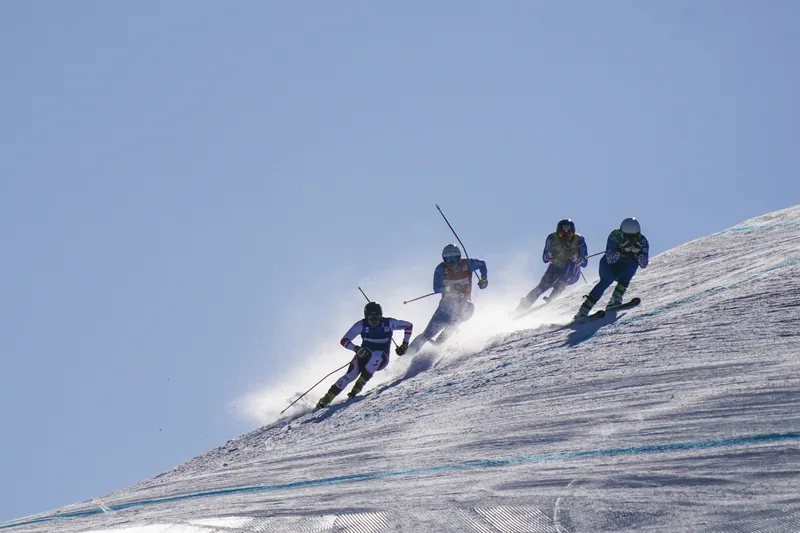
(678, 415)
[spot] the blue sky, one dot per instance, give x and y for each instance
(188, 188)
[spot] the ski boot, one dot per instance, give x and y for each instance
(359, 384)
(587, 305)
(326, 400)
(616, 296)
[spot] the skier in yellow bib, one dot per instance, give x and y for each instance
(567, 253)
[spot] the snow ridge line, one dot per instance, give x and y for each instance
(611, 452)
(758, 227)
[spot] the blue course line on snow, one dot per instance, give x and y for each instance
(611, 452)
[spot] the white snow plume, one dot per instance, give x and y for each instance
(677, 416)
(322, 353)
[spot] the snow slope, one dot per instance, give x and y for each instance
(681, 415)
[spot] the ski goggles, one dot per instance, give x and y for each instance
(566, 234)
(374, 318)
(450, 259)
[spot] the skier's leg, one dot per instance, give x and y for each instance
(438, 322)
(623, 272)
(359, 384)
(548, 279)
(467, 312)
(416, 344)
(377, 361)
(570, 275)
(606, 279)
(451, 329)
(558, 288)
(352, 372)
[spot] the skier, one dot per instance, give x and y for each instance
(452, 278)
(566, 252)
(626, 251)
(373, 354)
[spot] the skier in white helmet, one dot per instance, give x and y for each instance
(627, 250)
(452, 278)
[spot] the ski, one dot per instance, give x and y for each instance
(633, 302)
(589, 318)
(344, 401)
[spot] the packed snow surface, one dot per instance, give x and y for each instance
(679, 415)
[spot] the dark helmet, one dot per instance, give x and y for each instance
(373, 309)
(565, 226)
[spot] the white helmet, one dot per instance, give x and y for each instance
(630, 226)
(451, 254)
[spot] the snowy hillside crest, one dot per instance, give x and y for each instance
(678, 415)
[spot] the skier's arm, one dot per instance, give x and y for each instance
(477, 264)
(612, 251)
(347, 340)
(438, 279)
(546, 257)
(583, 252)
(644, 256)
(407, 327)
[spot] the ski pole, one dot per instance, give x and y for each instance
(584, 278)
(598, 253)
(315, 384)
(367, 297)
(419, 298)
(454, 233)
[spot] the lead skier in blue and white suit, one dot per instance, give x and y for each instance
(627, 250)
(373, 354)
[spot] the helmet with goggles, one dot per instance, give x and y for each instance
(451, 254)
(565, 228)
(373, 310)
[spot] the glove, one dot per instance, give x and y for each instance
(576, 259)
(483, 283)
(363, 352)
(402, 348)
(631, 247)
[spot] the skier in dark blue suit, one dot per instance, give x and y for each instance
(627, 250)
